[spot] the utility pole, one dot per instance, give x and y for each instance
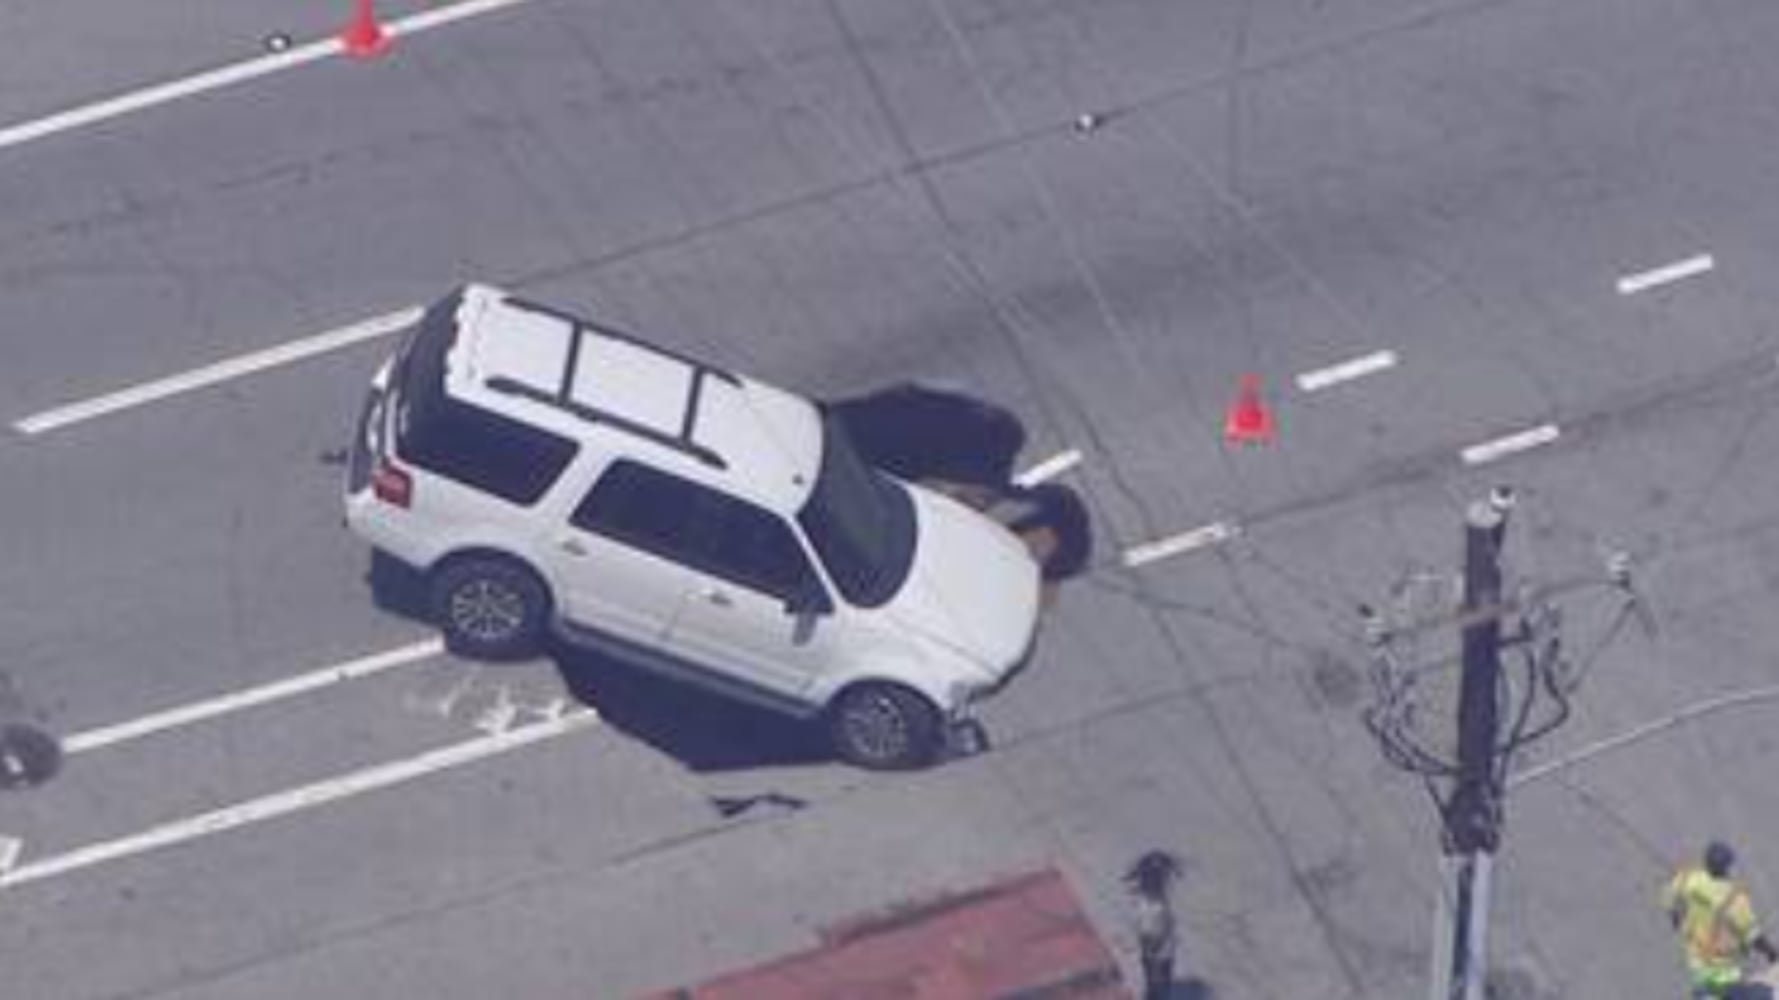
(1472, 814)
(1502, 708)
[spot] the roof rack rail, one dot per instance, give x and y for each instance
(593, 414)
(580, 324)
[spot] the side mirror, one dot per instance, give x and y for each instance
(810, 600)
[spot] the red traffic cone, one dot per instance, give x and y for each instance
(1248, 421)
(364, 37)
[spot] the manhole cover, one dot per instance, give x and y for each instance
(28, 756)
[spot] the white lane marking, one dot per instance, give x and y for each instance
(1710, 706)
(1489, 451)
(182, 715)
(295, 799)
(441, 16)
(10, 849)
(500, 715)
(173, 90)
(1631, 284)
(1049, 468)
(221, 371)
(1209, 534)
(1345, 371)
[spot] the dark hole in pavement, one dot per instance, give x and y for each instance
(919, 432)
(922, 433)
(28, 756)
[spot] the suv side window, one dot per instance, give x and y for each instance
(694, 525)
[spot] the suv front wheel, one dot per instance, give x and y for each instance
(489, 608)
(884, 727)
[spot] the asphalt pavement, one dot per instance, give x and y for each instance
(1462, 244)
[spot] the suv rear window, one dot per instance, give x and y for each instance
(486, 451)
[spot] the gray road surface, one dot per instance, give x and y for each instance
(832, 196)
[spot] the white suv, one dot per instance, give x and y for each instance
(549, 474)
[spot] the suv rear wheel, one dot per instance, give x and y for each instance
(884, 727)
(489, 608)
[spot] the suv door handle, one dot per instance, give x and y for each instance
(717, 597)
(572, 546)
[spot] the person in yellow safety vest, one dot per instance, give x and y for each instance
(1716, 923)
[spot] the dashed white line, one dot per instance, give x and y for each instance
(1631, 284)
(1489, 451)
(183, 715)
(212, 374)
(173, 90)
(1209, 534)
(10, 849)
(1049, 468)
(1346, 371)
(296, 799)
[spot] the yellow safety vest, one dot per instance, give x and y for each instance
(1716, 924)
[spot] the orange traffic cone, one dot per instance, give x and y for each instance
(364, 37)
(1248, 421)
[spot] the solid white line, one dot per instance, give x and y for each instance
(1488, 451)
(221, 371)
(1209, 534)
(296, 799)
(445, 15)
(163, 93)
(1635, 734)
(1322, 378)
(183, 715)
(1049, 468)
(1634, 283)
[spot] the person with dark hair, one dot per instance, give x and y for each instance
(1717, 926)
(1150, 879)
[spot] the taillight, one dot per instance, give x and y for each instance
(392, 485)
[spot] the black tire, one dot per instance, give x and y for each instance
(489, 608)
(885, 727)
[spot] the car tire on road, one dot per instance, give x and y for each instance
(489, 608)
(885, 727)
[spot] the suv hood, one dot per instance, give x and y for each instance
(973, 586)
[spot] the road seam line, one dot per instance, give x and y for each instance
(223, 76)
(1186, 541)
(293, 800)
(209, 708)
(1666, 274)
(1345, 371)
(218, 372)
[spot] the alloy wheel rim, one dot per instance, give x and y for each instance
(487, 610)
(876, 729)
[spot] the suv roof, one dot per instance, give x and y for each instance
(610, 390)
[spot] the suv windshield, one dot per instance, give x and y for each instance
(860, 521)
